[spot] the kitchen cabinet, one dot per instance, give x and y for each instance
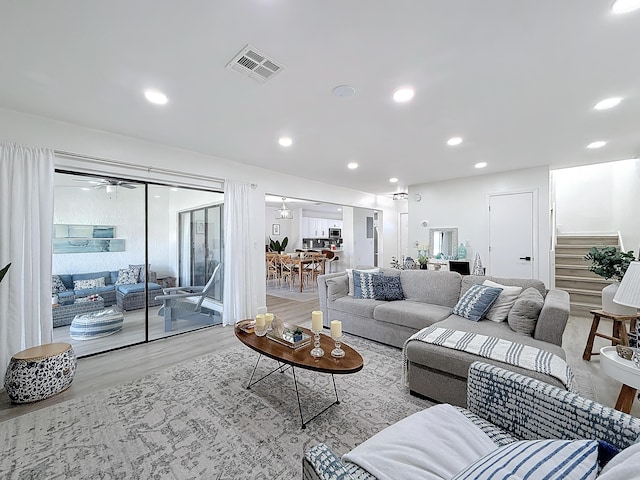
(318, 227)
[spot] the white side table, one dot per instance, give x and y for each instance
(626, 372)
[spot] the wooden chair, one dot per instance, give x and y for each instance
(273, 268)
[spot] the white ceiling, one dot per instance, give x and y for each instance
(516, 79)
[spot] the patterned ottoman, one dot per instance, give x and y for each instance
(40, 372)
(96, 324)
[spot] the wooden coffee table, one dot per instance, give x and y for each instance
(301, 358)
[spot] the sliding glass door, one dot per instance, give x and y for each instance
(119, 248)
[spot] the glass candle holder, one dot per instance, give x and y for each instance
(261, 328)
(337, 352)
(268, 320)
(316, 351)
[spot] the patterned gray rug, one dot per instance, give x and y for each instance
(197, 420)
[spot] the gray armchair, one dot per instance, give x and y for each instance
(189, 302)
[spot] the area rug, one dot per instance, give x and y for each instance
(197, 420)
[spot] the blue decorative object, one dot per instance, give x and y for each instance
(363, 284)
(462, 252)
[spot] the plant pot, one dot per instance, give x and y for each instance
(424, 266)
(609, 306)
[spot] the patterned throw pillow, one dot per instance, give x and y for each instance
(56, 285)
(536, 460)
(127, 276)
(476, 302)
(85, 284)
(387, 288)
(363, 284)
(141, 272)
(350, 271)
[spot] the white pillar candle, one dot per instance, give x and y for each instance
(268, 318)
(336, 328)
(316, 320)
(260, 320)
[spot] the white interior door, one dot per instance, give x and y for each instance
(512, 234)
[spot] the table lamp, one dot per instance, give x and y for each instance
(628, 293)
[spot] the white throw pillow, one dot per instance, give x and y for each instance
(352, 287)
(500, 308)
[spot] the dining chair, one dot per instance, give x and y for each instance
(273, 268)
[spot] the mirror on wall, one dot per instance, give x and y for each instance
(443, 242)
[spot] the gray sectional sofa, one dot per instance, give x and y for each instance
(434, 371)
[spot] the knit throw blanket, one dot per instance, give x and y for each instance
(516, 354)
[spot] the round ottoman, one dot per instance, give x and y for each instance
(40, 372)
(96, 324)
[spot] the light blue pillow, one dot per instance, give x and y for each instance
(537, 460)
(363, 286)
(476, 302)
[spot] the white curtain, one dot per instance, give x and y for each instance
(239, 275)
(26, 223)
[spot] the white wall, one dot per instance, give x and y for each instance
(600, 198)
(463, 203)
(362, 246)
(42, 132)
(288, 228)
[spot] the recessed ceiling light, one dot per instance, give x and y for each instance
(403, 95)
(607, 103)
(155, 96)
(393, 180)
(480, 164)
(86, 189)
(156, 196)
(453, 141)
(625, 6)
(598, 144)
(352, 166)
(174, 189)
(344, 91)
(285, 141)
(339, 209)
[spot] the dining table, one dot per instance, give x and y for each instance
(309, 260)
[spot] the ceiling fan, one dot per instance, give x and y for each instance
(109, 184)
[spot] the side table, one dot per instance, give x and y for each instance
(626, 372)
(618, 334)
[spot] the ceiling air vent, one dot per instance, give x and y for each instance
(252, 63)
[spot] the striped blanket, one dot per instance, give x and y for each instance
(517, 354)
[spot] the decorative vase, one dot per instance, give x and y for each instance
(462, 252)
(609, 306)
(277, 325)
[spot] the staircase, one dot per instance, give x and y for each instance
(572, 271)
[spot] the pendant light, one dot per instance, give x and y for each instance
(284, 212)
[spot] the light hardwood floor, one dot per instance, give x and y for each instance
(121, 366)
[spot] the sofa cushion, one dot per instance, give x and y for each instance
(415, 315)
(429, 286)
(88, 276)
(537, 460)
(363, 284)
(127, 276)
(137, 287)
(525, 283)
(363, 307)
(67, 280)
(57, 285)
(387, 288)
(350, 276)
(142, 276)
(337, 287)
(476, 302)
(525, 311)
(501, 307)
(85, 292)
(456, 363)
(88, 283)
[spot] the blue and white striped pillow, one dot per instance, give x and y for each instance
(476, 302)
(537, 460)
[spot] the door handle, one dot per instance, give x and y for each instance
(528, 259)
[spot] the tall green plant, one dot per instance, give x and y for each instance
(609, 262)
(4, 271)
(276, 246)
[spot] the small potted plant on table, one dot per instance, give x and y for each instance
(611, 264)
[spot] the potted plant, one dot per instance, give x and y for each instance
(297, 334)
(276, 246)
(423, 261)
(611, 264)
